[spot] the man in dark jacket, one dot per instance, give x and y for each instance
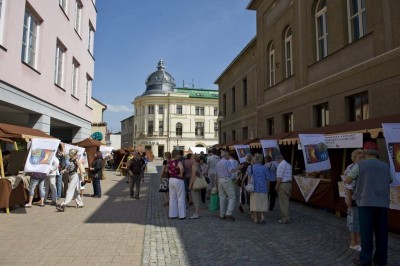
(135, 172)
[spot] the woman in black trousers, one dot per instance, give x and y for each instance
(96, 171)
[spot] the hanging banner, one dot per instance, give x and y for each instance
(271, 148)
(82, 156)
(242, 151)
(106, 151)
(41, 154)
(392, 138)
(307, 186)
(315, 152)
(341, 141)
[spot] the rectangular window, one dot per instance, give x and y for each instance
(63, 4)
(59, 64)
(322, 115)
(244, 86)
(161, 109)
(224, 103)
(29, 39)
(88, 90)
(91, 38)
(357, 19)
(2, 6)
(233, 91)
(288, 120)
(288, 53)
(233, 135)
(150, 110)
(271, 61)
(150, 128)
(245, 133)
(160, 128)
(224, 138)
(78, 15)
(215, 129)
(199, 128)
(199, 110)
(179, 109)
(215, 111)
(75, 78)
(270, 126)
(359, 107)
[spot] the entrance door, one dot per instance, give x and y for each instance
(161, 151)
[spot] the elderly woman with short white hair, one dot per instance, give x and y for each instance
(257, 174)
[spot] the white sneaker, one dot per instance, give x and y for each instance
(195, 216)
(356, 248)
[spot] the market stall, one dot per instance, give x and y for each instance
(13, 188)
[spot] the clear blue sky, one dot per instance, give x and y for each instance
(197, 39)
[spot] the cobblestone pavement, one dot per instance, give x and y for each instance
(117, 230)
(314, 237)
(107, 231)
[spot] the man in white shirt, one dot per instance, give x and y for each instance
(283, 187)
(212, 161)
(226, 189)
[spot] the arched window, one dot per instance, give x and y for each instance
(288, 52)
(271, 64)
(178, 129)
(321, 30)
(357, 19)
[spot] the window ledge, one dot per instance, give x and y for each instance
(58, 86)
(76, 98)
(3, 48)
(77, 33)
(62, 9)
(31, 67)
(91, 55)
(278, 83)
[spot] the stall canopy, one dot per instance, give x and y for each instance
(198, 150)
(9, 132)
(91, 146)
(373, 126)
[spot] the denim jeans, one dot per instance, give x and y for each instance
(96, 186)
(59, 185)
(32, 186)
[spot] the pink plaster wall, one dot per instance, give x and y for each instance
(55, 25)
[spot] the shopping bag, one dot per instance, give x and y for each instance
(214, 202)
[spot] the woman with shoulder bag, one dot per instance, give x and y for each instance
(164, 179)
(196, 191)
(96, 171)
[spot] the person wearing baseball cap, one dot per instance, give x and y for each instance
(372, 196)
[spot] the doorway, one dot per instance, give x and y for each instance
(161, 151)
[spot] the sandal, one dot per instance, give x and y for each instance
(28, 205)
(60, 208)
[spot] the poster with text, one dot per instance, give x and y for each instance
(271, 148)
(315, 152)
(242, 151)
(40, 156)
(392, 138)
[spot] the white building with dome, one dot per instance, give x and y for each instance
(168, 118)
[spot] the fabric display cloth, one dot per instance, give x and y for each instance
(307, 186)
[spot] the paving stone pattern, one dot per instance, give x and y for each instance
(315, 237)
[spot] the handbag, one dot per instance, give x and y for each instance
(199, 183)
(250, 184)
(164, 185)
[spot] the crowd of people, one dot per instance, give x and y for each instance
(229, 178)
(66, 179)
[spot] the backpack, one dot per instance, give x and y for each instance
(136, 166)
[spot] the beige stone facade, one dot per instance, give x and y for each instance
(97, 123)
(311, 65)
